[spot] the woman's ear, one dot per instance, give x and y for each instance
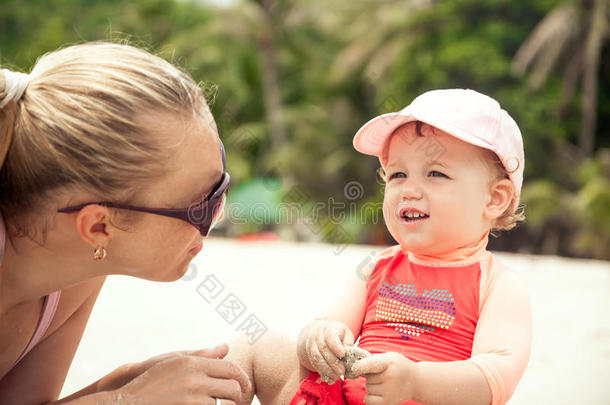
(500, 196)
(92, 224)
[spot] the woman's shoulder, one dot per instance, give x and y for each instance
(46, 365)
(73, 299)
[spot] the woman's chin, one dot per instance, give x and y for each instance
(176, 274)
(164, 275)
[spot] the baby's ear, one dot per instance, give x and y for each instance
(500, 196)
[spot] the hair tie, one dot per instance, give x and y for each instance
(15, 84)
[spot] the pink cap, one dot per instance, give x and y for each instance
(466, 114)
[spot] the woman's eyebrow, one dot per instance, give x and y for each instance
(207, 190)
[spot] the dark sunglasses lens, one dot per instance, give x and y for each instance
(204, 217)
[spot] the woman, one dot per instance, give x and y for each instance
(102, 146)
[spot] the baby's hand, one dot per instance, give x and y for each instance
(390, 378)
(324, 348)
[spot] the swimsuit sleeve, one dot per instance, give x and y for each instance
(503, 336)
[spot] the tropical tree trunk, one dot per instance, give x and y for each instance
(271, 88)
(597, 32)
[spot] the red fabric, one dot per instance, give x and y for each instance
(314, 391)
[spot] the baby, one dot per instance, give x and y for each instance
(444, 320)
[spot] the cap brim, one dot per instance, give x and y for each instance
(371, 137)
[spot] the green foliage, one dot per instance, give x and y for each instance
(544, 200)
(338, 64)
(593, 205)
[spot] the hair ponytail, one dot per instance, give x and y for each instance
(78, 127)
(11, 91)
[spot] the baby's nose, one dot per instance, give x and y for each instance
(411, 192)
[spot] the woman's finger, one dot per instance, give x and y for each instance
(225, 369)
(218, 352)
(223, 389)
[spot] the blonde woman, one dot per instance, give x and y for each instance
(110, 164)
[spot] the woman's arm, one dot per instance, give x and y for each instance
(116, 379)
(178, 377)
(200, 374)
(98, 398)
(39, 376)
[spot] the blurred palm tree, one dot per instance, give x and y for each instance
(371, 50)
(572, 34)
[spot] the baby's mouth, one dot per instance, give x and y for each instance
(411, 215)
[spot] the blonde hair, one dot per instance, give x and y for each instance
(77, 125)
(509, 218)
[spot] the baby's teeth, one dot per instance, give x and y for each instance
(414, 215)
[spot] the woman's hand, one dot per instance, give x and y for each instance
(185, 377)
(390, 378)
(321, 346)
(127, 372)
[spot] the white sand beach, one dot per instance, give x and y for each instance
(277, 281)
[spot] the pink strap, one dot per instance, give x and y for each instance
(2, 237)
(48, 311)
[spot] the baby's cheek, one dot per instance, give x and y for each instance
(389, 208)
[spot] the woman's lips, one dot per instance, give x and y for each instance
(196, 249)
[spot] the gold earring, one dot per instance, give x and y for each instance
(99, 253)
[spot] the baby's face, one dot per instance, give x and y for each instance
(436, 190)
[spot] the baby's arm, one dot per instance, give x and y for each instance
(321, 343)
(500, 353)
(503, 338)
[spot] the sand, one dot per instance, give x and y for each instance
(135, 319)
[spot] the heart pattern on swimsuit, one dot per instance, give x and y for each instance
(412, 314)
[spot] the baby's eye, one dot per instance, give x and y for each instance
(397, 175)
(435, 173)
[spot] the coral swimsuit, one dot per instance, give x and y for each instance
(427, 309)
(48, 309)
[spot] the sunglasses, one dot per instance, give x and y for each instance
(203, 215)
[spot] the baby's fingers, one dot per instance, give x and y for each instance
(348, 338)
(334, 343)
(318, 362)
(374, 364)
(329, 354)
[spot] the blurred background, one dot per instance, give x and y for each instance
(289, 83)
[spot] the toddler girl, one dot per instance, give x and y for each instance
(445, 321)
